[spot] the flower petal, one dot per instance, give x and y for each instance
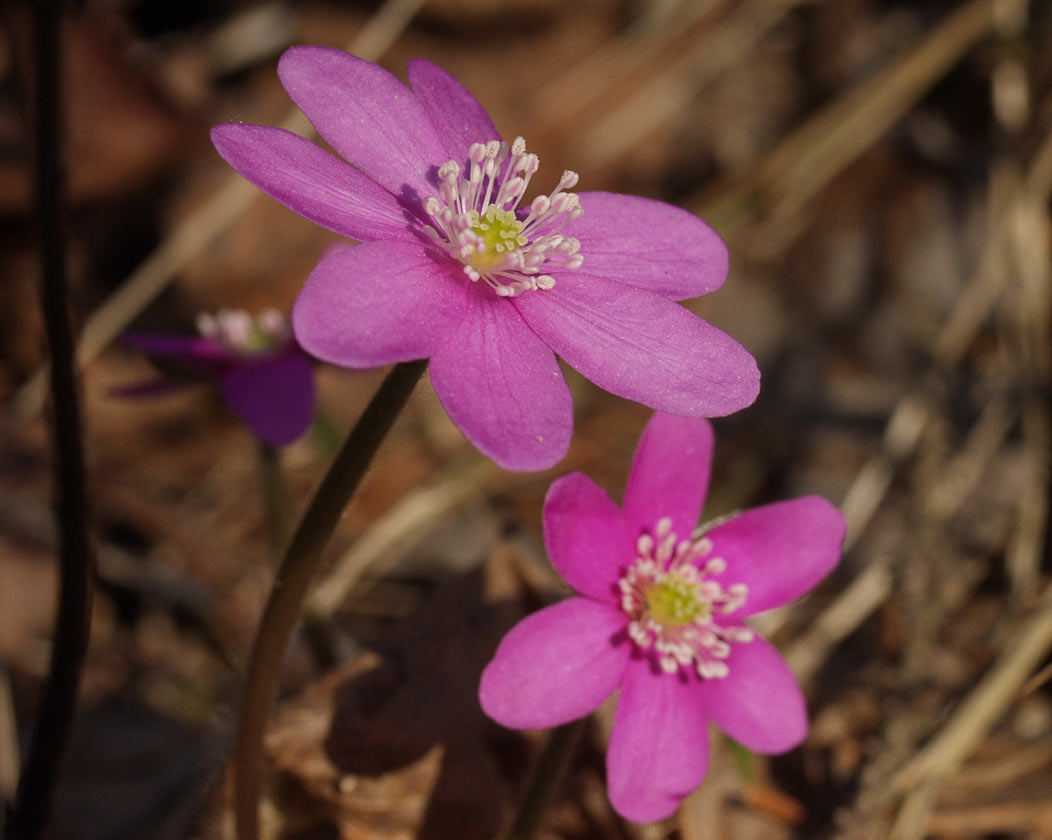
(649, 244)
(556, 665)
(274, 397)
(366, 115)
(311, 182)
(641, 346)
(192, 347)
(378, 303)
(659, 747)
(758, 703)
(780, 551)
(456, 115)
(588, 539)
(503, 387)
(670, 473)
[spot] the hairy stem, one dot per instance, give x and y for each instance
(31, 811)
(294, 576)
(549, 771)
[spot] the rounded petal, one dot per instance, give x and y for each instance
(369, 117)
(659, 747)
(456, 115)
(556, 665)
(758, 703)
(377, 303)
(641, 346)
(274, 397)
(779, 551)
(670, 473)
(649, 244)
(588, 540)
(311, 182)
(503, 387)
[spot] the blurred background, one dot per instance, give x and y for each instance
(882, 173)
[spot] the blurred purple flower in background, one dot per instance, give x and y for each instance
(660, 614)
(262, 373)
(454, 268)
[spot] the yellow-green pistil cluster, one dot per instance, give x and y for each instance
(674, 601)
(499, 232)
(671, 599)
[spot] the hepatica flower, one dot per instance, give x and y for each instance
(263, 375)
(457, 266)
(660, 616)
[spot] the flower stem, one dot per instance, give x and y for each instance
(275, 495)
(294, 576)
(549, 771)
(33, 800)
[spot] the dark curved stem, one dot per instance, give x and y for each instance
(31, 811)
(290, 587)
(549, 771)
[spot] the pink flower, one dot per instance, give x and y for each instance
(455, 269)
(660, 615)
(262, 374)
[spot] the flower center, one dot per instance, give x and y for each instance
(477, 219)
(672, 600)
(243, 335)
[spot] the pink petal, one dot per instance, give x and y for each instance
(378, 303)
(503, 387)
(274, 397)
(670, 473)
(659, 747)
(588, 540)
(758, 703)
(780, 551)
(457, 116)
(556, 665)
(311, 182)
(641, 346)
(649, 244)
(369, 117)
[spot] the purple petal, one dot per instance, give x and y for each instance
(503, 387)
(378, 303)
(659, 747)
(758, 703)
(369, 117)
(779, 551)
(311, 182)
(641, 346)
(457, 116)
(588, 539)
(670, 473)
(274, 397)
(555, 666)
(649, 244)
(192, 347)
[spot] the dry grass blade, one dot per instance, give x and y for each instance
(981, 709)
(806, 161)
(194, 233)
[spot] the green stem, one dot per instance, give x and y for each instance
(549, 771)
(290, 586)
(31, 812)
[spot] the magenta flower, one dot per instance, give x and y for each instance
(262, 374)
(660, 615)
(454, 267)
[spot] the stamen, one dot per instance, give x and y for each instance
(477, 219)
(671, 598)
(243, 335)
